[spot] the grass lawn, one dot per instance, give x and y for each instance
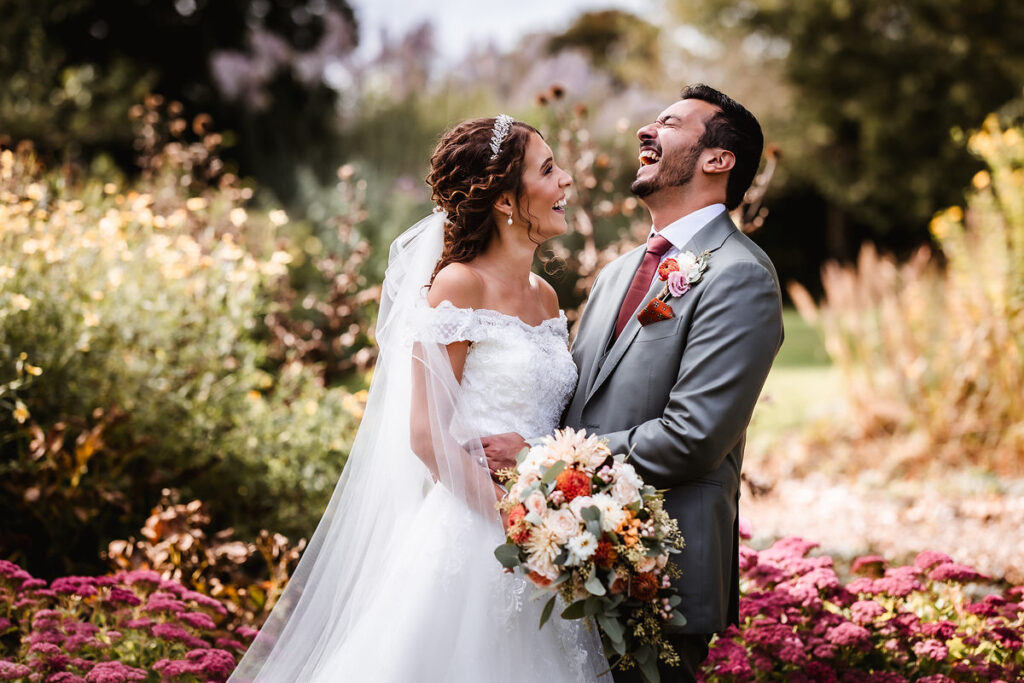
(802, 384)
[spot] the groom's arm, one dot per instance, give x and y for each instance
(733, 338)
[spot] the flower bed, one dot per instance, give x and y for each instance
(133, 626)
(934, 620)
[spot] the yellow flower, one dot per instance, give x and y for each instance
(21, 412)
(33, 370)
(981, 180)
(278, 217)
(238, 217)
(195, 204)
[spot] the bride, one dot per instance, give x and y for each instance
(399, 583)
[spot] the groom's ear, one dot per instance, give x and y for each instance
(718, 160)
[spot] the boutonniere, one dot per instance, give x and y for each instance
(679, 275)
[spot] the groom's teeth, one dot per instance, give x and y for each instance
(649, 156)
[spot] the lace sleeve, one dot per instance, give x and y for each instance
(445, 324)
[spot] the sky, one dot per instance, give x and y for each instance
(461, 24)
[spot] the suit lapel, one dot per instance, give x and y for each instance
(711, 237)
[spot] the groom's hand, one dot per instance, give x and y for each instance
(501, 450)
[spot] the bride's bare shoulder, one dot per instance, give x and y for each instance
(547, 295)
(458, 283)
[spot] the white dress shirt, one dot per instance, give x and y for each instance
(682, 231)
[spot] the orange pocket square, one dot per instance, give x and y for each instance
(655, 311)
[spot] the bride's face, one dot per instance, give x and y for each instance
(544, 183)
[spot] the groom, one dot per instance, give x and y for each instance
(677, 389)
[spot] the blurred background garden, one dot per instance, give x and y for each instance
(196, 201)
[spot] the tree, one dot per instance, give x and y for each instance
(72, 69)
(878, 88)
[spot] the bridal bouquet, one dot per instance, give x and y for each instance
(583, 525)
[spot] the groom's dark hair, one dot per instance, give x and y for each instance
(735, 129)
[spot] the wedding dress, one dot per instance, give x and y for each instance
(399, 582)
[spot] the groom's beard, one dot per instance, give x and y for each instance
(672, 172)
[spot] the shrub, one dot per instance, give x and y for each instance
(129, 360)
(922, 622)
(936, 355)
(134, 626)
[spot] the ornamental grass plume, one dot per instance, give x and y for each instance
(920, 622)
(931, 351)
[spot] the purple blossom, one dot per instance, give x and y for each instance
(229, 644)
(142, 623)
(866, 611)
(204, 601)
(1007, 637)
(943, 630)
(5, 624)
(114, 672)
(13, 572)
(82, 586)
(164, 602)
(32, 584)
(214, 663)
(176, 632)
(869, 565)
(124, 596)
(246, 632)
(956, 573)
(199, 620)
(935, 678)
(10, 671)
(65, 677)
(929, 558)
(141, 576)
(931, 649)
(849, 634)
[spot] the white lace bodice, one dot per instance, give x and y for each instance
(517, 377)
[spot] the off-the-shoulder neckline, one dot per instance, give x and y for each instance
(491, 312)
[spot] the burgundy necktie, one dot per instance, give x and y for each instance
(656, 247)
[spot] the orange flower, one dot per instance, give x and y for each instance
(518, 529)
(669, 265)
(539, 579)
(573, 483)
(644, 587)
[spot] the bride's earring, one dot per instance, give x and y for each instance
(510, 218)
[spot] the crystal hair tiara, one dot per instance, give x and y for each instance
(502, 125)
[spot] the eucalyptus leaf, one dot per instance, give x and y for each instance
(545, 614)
(677, 619)
(521, 455)
(612, 628)
(648, 662)
(553, 472)
(594, 585)
(574, 611)
(591, 606)
(508, 555)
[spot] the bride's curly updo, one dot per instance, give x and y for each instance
(465, 182)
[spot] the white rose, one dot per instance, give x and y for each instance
(578, 503)
(687, 261)
(626, 472)
(612, 514)
(563, 524)
(536, 503)
(624, 492)
(516, 492)
(647, 564)
(661, 560)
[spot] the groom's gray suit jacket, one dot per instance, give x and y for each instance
(679, 393)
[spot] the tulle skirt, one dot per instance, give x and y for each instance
(445, 611)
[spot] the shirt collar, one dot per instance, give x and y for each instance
(682, 231)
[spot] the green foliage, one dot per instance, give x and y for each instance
(874, 89)
(129, 362)
(621, 43)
